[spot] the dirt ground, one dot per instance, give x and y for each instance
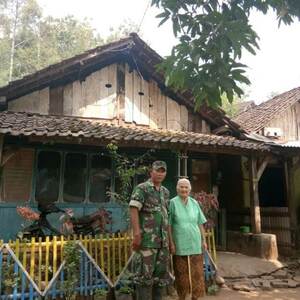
(232, 265)
(278, 294)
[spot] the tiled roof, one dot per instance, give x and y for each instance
(259, 116)
(243, 106)
(29, 124)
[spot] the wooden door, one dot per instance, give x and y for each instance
(200, 175)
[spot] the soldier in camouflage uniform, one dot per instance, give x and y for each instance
(149, 218)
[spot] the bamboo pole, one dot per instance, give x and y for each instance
(47, 260)
(32, 256)
(54, 247)
(40, 264)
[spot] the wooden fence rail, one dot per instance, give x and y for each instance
(36, 263)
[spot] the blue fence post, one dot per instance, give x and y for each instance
(1, 260)
(23, 286)
(85, 276)
(81, 273)
(16, 279)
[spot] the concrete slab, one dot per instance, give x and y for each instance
(231, 265)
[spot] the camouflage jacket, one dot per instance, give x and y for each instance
(153, 214)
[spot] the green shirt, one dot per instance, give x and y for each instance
(185, 221)
(153, 214)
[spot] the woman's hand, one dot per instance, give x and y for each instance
(136, 243)
(172, 248)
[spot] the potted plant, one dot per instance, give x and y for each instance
(124, 293)
(100, 294)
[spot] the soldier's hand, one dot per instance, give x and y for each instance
(172, 248)
(136, 243)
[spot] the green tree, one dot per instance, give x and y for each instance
(231, 108)
(123, 30)
(10, 15)
(30, 41)
(212, 35)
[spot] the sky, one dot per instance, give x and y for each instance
(275, 68)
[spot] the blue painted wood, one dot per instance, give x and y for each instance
(1, 264)
(54, 290)
(31, 293)
(16, 274)
(209, 270)
(9, 230)
(98, 278)
(206, 263)
(62, 274)
(91, 281)
(85, 276)
(23, 283)
(81, 273)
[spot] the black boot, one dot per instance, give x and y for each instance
(157, 292)
(144, 292)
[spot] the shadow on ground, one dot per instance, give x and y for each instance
(227, 294)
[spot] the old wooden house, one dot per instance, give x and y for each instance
(278, 120)
(55, 125)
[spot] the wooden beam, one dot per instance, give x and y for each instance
(121, 93)
(295, 163)
(262, 167)
(254, 196)
(291, 200)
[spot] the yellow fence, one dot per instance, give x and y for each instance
(42, 258)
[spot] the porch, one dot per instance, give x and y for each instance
(64, 160)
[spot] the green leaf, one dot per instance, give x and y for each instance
(212, 35)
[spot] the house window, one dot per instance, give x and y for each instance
(100, 178)
(75, 177)
(48, 176)
(81, 173)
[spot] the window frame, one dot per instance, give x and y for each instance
(35, 172)
(63, 154)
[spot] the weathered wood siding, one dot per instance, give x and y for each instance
(145, 104)
(289, 122)
(36, 102)
(96, 97)
(17, 175)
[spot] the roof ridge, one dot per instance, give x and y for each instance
(257, 117)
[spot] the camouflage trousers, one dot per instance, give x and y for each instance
(151, 267)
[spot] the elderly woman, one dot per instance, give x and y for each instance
(187, 240)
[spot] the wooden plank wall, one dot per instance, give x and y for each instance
(145, 104)
(36, 102)
(289, 122)
(17, 175)
(96, 97)
(276, 220)
(56, 103)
